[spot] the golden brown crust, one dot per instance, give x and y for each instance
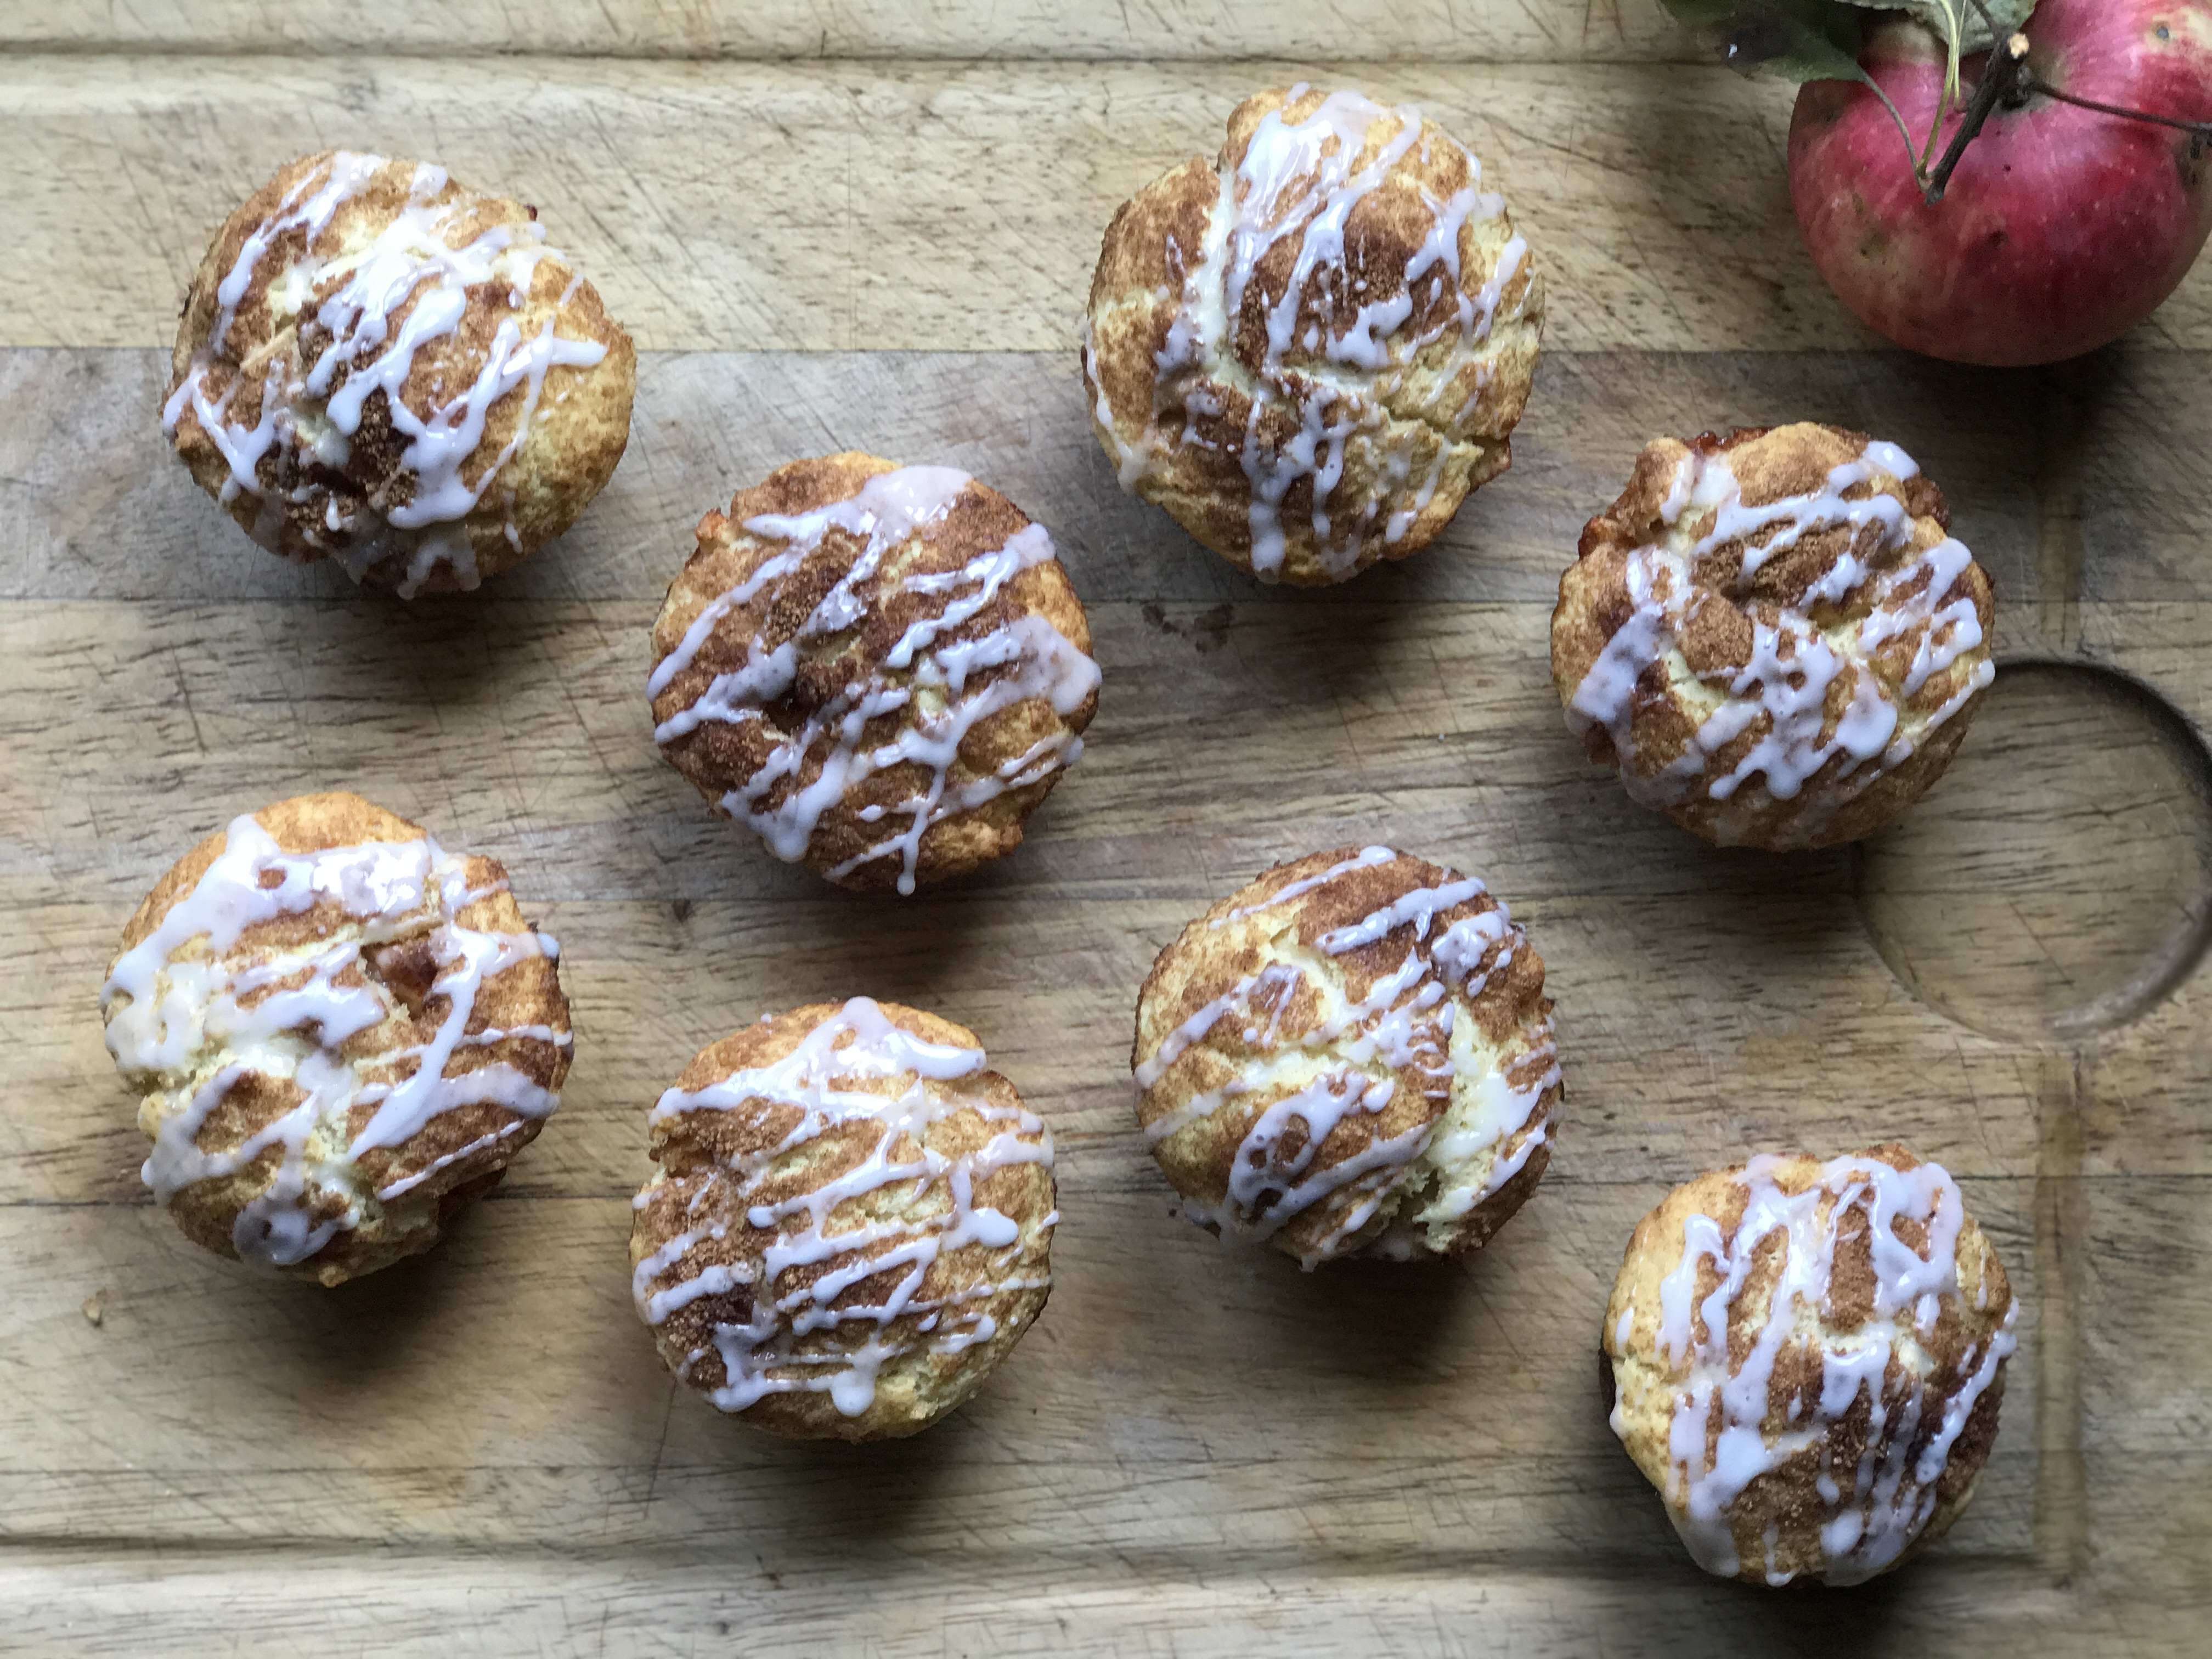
(1761, 690)
(1406, 354)
(1817, 1326)
(743, 1175)
(1010, 677)
(456, 1153)
(309, 499)
(1352, 1055)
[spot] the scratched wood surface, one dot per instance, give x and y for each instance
(832, 225)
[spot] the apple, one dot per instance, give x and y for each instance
(2061, 229)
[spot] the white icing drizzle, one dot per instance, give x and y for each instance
(1796, 657)
(1366, 859)
(1300, 179)
(314, 410)
(291, 1013)
(925, 677)
(793, 1340)
(1404, 1022)
(1878, 1505)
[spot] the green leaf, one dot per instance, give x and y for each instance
(1795, 40)
(1961, 22)
(1803, 40)
(1962, 26)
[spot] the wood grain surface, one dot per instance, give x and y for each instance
(883, 205)
(828, 238)
(1338, 31)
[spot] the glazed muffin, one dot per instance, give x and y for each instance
(380, 368)
(1310, 354)
(1773, 636)
(880, 671)
(1351, 1056)
(341, 1031)
(1807, 1360)
(852, 1222)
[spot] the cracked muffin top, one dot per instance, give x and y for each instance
(1310, 354)
(852, 1222)
(1807, 1360)
(382, 368)
(1352, 1055)
(880, 671)
(342, 1032)
(1773, 636)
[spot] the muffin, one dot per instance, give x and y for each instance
(1772, 636)
(380, 368)
(852, 1222)
(341, 1031)
(1310, 354)
(1807, 1361)
(880, 671)
(1351, 1056)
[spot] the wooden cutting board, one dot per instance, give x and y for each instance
(829, 226)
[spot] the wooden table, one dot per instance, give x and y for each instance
(836, 225)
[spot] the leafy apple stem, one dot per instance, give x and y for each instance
(1954, 29)
(2007, 81)
(2005, 74)
(1823, 40)
(1920, 168)
(1989, 22)
(1897, 117)
(2195, 129)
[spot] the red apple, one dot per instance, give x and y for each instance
(2062, 228)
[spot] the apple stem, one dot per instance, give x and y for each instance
(2004, 78)
(2196, 129)
(2007, 80)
